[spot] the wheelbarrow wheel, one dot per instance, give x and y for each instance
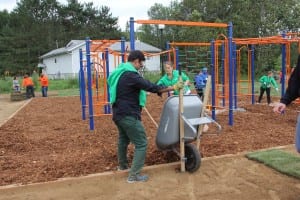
(193, 158)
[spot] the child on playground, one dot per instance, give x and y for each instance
(265, 85)
(200, 81)
(16, 84)
(171, 77)
(291, 93)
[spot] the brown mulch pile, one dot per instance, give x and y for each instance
(48, 140)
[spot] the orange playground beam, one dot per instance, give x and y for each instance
(182, 23)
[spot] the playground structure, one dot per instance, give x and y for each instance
(192, 56)
(285, 40)
(182, 122)
(222, 74)
(94, 70)
(229, 49)
(223, 58)
(101, 68)
(95, 67)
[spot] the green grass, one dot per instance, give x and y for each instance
(68, 87)
(279, 160)
(63, 84)
(5, 84)
(68, 92)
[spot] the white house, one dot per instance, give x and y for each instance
(64, 62)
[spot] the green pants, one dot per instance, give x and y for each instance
(131, 130)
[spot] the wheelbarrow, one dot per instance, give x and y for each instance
(168, 133)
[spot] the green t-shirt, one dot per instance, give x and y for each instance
(166, 81)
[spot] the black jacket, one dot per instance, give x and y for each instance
(128, 90)
(293, 90)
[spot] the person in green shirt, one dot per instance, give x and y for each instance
(265, 85)
(171, 77)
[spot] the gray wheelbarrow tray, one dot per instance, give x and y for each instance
(167, 138)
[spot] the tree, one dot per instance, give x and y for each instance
(250, 18)
(35, 27)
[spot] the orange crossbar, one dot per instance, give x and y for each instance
(190, 44)
(182, 23)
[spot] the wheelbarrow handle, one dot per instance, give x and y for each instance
(213, 121)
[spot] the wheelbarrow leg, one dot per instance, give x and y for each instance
(205, 101)
(181, 129)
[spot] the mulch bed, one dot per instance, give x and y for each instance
(48, 140)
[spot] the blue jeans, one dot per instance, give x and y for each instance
(44, 91)
(297, 136)
(29, 91)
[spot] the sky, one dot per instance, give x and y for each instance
(123, 9)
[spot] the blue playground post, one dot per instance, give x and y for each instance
(123, 49)
(89, 77)
(213, 79)
(80, 74)
(223, 74)
(283, 66)
(230, 33)
(234, 76)
(132, 36)
(82, 85)
(252, 74)
(107, 107)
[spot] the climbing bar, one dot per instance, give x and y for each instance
(156, 54)
(182, 23)
(190, 44)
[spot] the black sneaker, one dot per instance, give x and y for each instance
(137, 178)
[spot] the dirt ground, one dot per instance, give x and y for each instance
(47, 139)
(7, 108)
(227, 178)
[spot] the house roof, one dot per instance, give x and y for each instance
(73, 44)
(142, 46)
(64, 50)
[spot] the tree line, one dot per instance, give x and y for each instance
(35, 27)
(250, 18)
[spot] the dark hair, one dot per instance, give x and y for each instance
(136, 55)
(168, 63)
(15, 77)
